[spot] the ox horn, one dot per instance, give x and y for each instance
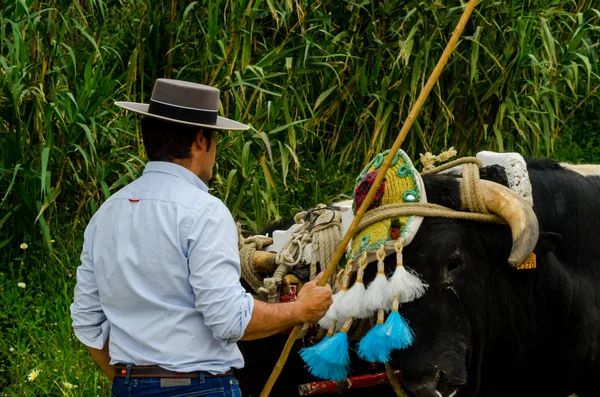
(518, 214)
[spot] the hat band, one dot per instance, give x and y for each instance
(180, 113)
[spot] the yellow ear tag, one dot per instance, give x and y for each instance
(530, 263)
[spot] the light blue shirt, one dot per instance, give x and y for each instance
(160, 274)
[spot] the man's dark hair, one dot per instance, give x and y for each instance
(167, 141)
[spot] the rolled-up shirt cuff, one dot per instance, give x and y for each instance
(93, 336)
(245, 315)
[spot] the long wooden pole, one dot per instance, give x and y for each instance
(380, 175)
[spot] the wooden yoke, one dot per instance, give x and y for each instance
(264, 262)
(331, 266)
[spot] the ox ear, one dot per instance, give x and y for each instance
(547, 242)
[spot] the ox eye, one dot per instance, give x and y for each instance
(454, 262)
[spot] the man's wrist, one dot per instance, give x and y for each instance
(298, 313)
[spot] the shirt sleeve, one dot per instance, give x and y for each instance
(89, 322)
(215, 273)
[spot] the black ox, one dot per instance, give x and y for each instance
(484, 328)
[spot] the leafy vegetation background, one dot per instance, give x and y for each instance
(325, 85)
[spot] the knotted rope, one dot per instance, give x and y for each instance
(247, 247)
(320, 226)
(428, 160)
(326, 235)
(470, 194)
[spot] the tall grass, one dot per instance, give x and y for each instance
(35, 294)
(325, 85)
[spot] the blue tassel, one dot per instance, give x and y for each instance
(398, 333)
(330, 358)
(310, 355)
(372, 347)
(377, 345)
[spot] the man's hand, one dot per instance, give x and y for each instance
(271, 318)
(314, 301)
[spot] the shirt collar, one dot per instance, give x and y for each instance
(176, 170)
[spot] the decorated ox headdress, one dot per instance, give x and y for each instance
(402, 184)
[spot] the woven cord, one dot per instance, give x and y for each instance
(452, 164)
(326, 236)
(322, 230)
(247, 248)
(420, 209)
(470, 192)
(428, 160)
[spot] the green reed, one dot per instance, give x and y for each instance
(325, 86)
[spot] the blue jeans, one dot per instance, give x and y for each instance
(221, 386)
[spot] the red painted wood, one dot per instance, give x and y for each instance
(354, 382)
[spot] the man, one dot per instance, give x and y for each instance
(160, 268)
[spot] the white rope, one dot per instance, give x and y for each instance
(321, 227)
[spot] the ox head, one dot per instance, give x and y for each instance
(466, 267)
(463, 263)
(453, 260)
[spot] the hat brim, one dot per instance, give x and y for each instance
(222, 122)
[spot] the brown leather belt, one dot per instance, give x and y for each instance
(154, 371)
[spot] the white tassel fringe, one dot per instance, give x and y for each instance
(406, 285)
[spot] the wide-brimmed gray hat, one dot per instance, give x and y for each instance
(186, 103)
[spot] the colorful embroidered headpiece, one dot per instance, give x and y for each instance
(329, 359)
(402, 184)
